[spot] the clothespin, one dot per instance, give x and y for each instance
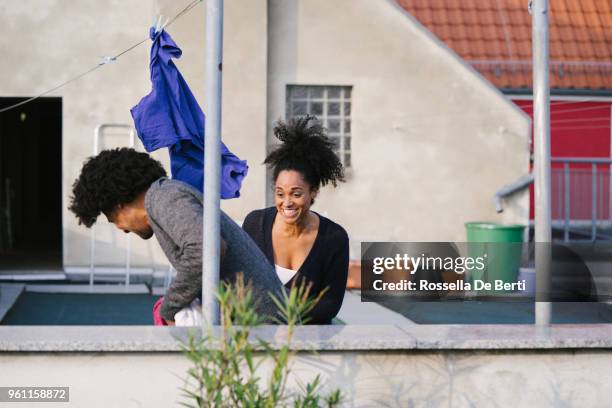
(107, 60)
(159, 23)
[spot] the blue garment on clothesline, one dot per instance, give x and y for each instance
(169, 116)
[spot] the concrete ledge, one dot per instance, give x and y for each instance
(72, 271)
(338, 338)
(510, 336)
(22, 276)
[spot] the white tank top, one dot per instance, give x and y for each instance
(284, 274)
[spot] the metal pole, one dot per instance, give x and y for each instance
(128, 257)
(212, 164)
(92, 237)
(566, 176)
(593, 202)
(541, 116)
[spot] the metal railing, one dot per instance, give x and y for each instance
(581, 195)
(582, 204)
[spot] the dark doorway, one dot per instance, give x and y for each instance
(31, 185)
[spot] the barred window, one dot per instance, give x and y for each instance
(332, 106)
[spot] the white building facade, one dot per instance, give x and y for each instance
(426, 140)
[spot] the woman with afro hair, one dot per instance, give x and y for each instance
(300, 243)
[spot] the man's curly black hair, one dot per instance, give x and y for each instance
(113, 177)
(307, 149)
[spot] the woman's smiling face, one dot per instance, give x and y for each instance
(293, 196)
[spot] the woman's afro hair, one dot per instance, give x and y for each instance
(307, 149)
(113, 177)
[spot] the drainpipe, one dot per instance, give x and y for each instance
(510, 189)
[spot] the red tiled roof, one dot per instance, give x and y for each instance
(495, 37)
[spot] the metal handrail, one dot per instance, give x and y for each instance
(585, 160)
(92, 249)
(526, 180)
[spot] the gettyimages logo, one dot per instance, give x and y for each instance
(479, 270)
(459, 265)
(413, 264)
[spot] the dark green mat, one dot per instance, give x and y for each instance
(491, 312)
(81, 309)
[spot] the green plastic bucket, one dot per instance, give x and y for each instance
(501, 247)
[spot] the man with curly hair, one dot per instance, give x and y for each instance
(131, 189)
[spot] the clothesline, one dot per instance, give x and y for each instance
(105, 60)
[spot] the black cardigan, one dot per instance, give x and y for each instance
(326, 265)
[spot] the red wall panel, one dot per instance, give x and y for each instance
(578, 129)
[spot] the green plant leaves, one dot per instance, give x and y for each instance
(224, 370)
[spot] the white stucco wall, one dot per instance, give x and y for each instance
(395, 365)
(244, 85)
(431, 140)
(47, 42)
(366, 379)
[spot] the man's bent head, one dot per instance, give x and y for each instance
(114, 183)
